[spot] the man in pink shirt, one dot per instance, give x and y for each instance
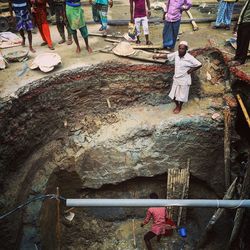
(139, 16)
(172, 19)
(158, 228)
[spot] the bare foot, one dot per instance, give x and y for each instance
(78, 50)
(149, 43)
(62, 41)
(177, 110)
(89, 50)
(51, 47)
(69, 42)
(32, 50)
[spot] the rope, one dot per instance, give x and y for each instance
(39, 197)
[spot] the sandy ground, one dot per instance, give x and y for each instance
(10, 81)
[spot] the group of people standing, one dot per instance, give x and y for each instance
(69, 15)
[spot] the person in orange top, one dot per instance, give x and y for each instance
(159, 227)
(40, 14)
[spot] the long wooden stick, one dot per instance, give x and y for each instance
(244, 110)
(112, 40)
(216, 215)
(102, 35)
(58, 225)
(227, 143)
(195, 26)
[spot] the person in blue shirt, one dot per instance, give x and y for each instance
(23, 19)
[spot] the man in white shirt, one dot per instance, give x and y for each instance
(185, 64)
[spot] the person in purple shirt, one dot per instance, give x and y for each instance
(139, 16)
(172, 19)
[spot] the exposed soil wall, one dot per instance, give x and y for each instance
(110, 124)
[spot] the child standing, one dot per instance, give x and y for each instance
(139, 16)
(75, 17)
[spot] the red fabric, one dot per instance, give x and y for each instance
(169, 232)
(42, 24)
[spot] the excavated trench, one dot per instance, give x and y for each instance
(108, 131)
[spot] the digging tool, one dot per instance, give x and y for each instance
(195, 26)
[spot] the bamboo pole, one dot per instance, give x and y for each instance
(181, 208)
(58, 226)
(112, 40)
(240, 211)
(244, 110)
(227, 140)
(216, 215)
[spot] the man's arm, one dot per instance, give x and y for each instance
(110, 3)
(193, 69)
(148, 5)
(147, 219)
(131, 2)
(160, 56)
(187, 5)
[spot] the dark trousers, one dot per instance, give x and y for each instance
(61, 20)
(170, 33)
(243, 38)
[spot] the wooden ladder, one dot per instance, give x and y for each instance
(177, 188)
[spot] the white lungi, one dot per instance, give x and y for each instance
(179, 92)
(141, 21)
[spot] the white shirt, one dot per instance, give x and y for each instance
(182, 65)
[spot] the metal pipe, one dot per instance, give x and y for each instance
(157, 203)
(124, 22)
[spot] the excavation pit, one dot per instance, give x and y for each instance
(108, 131)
